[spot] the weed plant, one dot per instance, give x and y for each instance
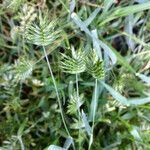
(74, 75)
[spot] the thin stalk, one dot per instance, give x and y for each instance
(78, 107)
(94, 111)
(21, 143)
(20, 89)
(23, 45)
(58, 98)
(64, 6)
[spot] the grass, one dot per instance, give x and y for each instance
(74, 75)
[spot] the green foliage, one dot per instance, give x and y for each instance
(102, 100)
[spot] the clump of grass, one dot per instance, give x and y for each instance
(96, 75)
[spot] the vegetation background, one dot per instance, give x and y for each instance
(74, 74)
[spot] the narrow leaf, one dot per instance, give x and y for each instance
(80, 24)
(135, 134)
(91, 17)
(108, 4)
(68, 143)
(96, 44)
(129, 29)
(115, 94)
(54, 147)
(108, 51)
(86, 123)
(141, 1)
(139, 101)
(22, 127)
(94, 103)
(144, 78)
(120, 12)
(125, 11)
(72, 5)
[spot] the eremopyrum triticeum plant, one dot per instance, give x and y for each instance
(72, 105)
(120, 82)
(75, 65)
(23, 68)
(42, 34)
(94, 66)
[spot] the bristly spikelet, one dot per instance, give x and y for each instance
(120, 82)
(44, 33)
(27, 16)
(73, 65)
(23, 69)
(73, 104)
(94, 66)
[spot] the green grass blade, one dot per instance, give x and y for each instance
(139, 101)
(86, 123)
(144, 78)
(96, 44)
(135, 134)
(107, 5)
(115, 94)
(91, 17)
(68, 143)
(54, 147)
(125, 11)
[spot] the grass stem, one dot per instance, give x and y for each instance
(94, 112)
(21, 143)
(78, 108)
(56, 90)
